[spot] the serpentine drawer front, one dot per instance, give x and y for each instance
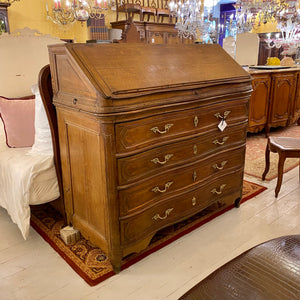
(159, 129)
(167, 212)
(152, 190)
(149, 162)
(147, 139)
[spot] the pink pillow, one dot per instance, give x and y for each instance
(17, 115)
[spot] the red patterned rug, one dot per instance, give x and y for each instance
(255, 152)
(91, 263)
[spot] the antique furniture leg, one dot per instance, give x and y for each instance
(237, 202)
(285, 147)
(280, 172)
(267, 130)
(267, 155)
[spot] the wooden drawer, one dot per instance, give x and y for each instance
(166, 184)
(160, 159)
(157, 130)
(157, 216)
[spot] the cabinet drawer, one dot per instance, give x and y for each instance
(157, 130)
(186, 204)
(160, 159)
(165, 185)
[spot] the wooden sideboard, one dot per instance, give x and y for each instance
(275, 100)
(149, 135)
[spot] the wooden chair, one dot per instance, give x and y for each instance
(129, 7)
(285, 147)
(148, 9)
(163, 11)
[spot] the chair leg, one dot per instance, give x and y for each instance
(280, 172)
(267, 159)
(267, 130)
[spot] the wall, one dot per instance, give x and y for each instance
(32, 14)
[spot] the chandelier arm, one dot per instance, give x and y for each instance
(68, 12)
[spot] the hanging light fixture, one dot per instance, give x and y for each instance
(194, 19)
(253, 14)
(288, 23)
(70, 11)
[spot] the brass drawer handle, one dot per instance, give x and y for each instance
(194, 176)
(167, 186)
(157, 161)
(167, 127)
(194, 201)
(225, 138)
(195, 149)
(219, 116)
(223, 163)
(167, 212)
(221, 188)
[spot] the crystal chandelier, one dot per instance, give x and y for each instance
(194, 19)
(253, 13)
(288, 23)
(70, 11)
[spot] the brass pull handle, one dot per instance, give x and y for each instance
(167, 212)
(223, 163)
(195, 149)
(194, 201)
(194, 176)
(221, 188)
(219, 116)
(157, 161)
(225, 138)
(167, 186)
(167, 127)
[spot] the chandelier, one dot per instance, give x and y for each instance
(194, 19)
(288, 23)
(70, 11)
(253, 13)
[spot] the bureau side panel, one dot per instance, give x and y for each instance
(84, 180)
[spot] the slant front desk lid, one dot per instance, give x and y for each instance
(129, 70)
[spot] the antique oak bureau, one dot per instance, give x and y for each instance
(149, 135)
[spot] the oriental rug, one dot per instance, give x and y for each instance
(91, 263)
(255, 152)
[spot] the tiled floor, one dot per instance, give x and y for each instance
(32, 270)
